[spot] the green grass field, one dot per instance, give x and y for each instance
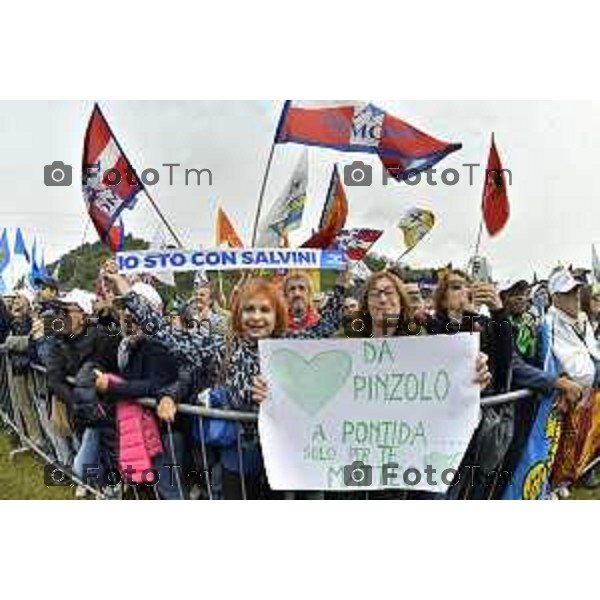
(23, 478)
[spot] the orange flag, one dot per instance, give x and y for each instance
(226, 234)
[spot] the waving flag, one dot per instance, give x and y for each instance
(495, 206)
(335, 210)
(286, 213)
(363, 128)
(415, 224)
(20, 247)
(4, 251)
(355, 243)
(531, 477)
(226, 234)
(333, 217)
(110, 184)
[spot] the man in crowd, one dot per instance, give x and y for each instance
(573, 341)
(202, 307)
(298, 293)
(416, 303)
(79, 341)
(527, 367)
(351, 305)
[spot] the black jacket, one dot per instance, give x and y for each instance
(67, 355)
(495, 341)
(494, 434)
(149, 369)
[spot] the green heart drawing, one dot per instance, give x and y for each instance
(311, 384)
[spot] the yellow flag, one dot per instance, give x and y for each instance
(415, 225)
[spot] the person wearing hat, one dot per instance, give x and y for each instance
(77, 340)
(145, 369)
(515, 297)
(527, 371)
(48, 289)
(573, 341)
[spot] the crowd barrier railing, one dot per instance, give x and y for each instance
(53, 446)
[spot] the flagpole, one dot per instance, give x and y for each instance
(263, 187)
(478, 243)
(161, 216)
(154, 205)
(262, 192)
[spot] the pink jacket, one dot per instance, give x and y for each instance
(139, 439)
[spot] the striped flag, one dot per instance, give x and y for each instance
(333, 217)
(361, 127)
(110, 184)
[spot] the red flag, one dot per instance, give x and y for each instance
(333, 217)
(110, 184)
(362, 127)
(355, 243)
(495, 206)
(335, 210)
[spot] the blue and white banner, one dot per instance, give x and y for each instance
(216, 259)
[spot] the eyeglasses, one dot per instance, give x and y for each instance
(387, 294)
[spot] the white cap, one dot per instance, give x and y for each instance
(27, 294)
(149, 294)
(84, 300)
(509, 284)
(562, 282)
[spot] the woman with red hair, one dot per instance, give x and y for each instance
(231, 362)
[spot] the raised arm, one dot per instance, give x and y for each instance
(186, 346)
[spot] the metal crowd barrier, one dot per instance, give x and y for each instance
(54, 447)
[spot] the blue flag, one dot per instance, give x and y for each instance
(35, 269)
(4, 251)
(531, 479)
(20, 247)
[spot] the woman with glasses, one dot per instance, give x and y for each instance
(387, 313)
(456, 300)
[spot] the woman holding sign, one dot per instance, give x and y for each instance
(455, 300)
(385, 312)
(231, 362)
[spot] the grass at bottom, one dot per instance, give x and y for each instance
(23, 477)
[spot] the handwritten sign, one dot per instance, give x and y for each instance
(151, 261)
(368, 414)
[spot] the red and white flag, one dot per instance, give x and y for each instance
(109, 182)
(355, 243)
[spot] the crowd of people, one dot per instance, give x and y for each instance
(102, 351)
